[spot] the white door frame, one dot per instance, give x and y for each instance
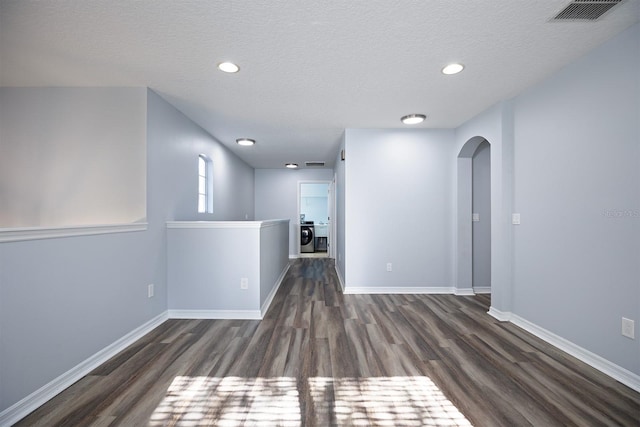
(331, 212)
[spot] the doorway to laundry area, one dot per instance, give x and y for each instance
(316, 207)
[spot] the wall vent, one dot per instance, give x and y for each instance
(314, 164)
(585, 10)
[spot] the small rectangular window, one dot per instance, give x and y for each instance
(205, 185)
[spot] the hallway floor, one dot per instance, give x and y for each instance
(323, 358)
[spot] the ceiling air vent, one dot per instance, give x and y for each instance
(585, 10)
(314, 164)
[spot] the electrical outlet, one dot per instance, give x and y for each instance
(150, 290)
(389, 266)
(244, 283)
(475, 217)
(628, 328)
(515, 219)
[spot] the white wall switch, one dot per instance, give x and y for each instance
(475, 217)
(628, 327)
(389, 266)
(515, 219)
(244, 283)
(150, 290)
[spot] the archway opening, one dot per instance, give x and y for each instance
(474, 217)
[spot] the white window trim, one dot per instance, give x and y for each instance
(208, 194)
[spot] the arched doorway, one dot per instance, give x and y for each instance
(474, 217)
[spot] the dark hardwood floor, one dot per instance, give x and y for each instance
(323, 358)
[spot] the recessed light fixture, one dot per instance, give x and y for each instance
(291, 165)
(245, 141)
(454, 68)
(228, 67)
(413, 119)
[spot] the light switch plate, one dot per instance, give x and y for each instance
(515, 219)
(475, 217)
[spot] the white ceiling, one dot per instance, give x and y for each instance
(309, 69)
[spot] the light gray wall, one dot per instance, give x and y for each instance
(62, 300)
(341, 203)
(233, 179)
(205, 266)
(399, 187)
(276, 197)
(577, 187)
(481, 169)
(72, 156)
(206, 262)
(464, 271)
(314, 202)
(274, 257)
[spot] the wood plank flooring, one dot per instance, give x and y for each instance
(322, 358)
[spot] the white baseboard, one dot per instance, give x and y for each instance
(503, 316)
(340, 278)
(482, 289)
(45, 393)
(215, 314)
(232, 314)
(399, 290)
(463, 291)
(616, 372)
(267, 302)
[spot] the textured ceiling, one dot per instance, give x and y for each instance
(309, 69)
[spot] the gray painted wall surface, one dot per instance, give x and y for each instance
(206, 262)
(205, 266)
(341, 204)
(464, 271)
(276, 197)
(577, 187)
(481, 167)
(62, 300)
(399, 190)
(61, 148)
(182, 142)
(314, 202)
(274, 256)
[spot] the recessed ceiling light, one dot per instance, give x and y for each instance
(413, 119)
(291, 165)
(454, 68)
(245, 141)
(228, 67)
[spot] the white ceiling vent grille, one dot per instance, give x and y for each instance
(314, 164)
(585, 10)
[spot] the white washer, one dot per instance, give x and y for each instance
(307, 237)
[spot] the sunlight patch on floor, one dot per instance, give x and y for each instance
(236, 401)
(387, 401)
(229, 401)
